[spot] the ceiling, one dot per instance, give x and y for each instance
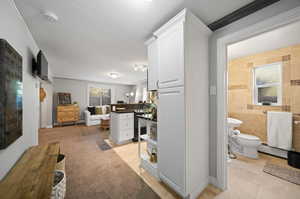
(95, 37)
(279, 38)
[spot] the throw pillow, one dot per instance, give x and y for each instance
(92, 110)
(99, 111)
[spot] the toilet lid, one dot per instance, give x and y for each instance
(248, 137)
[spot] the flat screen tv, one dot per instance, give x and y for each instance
(11, 92)
(40, 66)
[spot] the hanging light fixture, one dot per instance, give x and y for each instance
(114, 75)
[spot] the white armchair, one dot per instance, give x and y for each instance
(91, 120)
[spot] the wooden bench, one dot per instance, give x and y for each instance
(33, 174)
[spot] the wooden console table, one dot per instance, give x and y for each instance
(32, 176)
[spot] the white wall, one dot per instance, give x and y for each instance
(46, 106)
(15, 31)
(273, 10)
(78, 90)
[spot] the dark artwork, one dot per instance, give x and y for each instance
(11, 91)
(64, 98)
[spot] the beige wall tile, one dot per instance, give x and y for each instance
(240, 90)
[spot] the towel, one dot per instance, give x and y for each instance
(280, 129)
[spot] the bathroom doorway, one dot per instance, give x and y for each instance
(263, 111)
(222, 171)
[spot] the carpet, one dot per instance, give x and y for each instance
(285, 173)
(93, 173)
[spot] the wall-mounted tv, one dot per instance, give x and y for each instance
(40, 66)
(11, 92)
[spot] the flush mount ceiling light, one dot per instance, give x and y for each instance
(142, 68)
(148, 0)
(114, 75)
(50, 16)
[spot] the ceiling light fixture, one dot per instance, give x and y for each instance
(142, 68)
(114, 75)
(148, 0)
(50, 16)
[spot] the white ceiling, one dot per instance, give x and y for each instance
(95, 37)
(275, 39)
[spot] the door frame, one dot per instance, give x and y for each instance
(269, 24)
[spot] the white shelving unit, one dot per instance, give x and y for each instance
(145, 162)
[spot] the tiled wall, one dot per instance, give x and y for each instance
(240, 99)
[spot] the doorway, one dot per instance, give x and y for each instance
(221, 61)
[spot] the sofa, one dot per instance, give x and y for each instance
(92, 118)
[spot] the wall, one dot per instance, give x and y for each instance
(240, 94)
(46, 106)
(264, 14)
(78, 90)
(15, 31)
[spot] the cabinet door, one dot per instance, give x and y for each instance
(152, 65)
(171, 57)
(171, 137)
(127, 123)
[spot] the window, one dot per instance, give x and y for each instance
(267, 84)
(99, 96)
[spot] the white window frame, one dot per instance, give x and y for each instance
(279, 85)
(112, 92)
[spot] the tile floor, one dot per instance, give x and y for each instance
(246, 179)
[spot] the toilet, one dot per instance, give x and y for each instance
(249, 145)
(240, 143)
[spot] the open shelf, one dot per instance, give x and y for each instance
(149, 166)
(149, 140)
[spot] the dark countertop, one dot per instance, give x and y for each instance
(127, 111)
(122, 111)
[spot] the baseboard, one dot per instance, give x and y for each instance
(195, 193)
(272, 151)
(49, 126)
(214, 181)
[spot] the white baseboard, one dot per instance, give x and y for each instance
(273, 151)
(213, 180)
(49, 126)
(195, 193)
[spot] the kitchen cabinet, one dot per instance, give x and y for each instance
(183, 104)
(172, 136)
(122, 127)
(152, 49)
(171, 56)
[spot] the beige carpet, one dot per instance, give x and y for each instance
(91, 172)
(283, 172)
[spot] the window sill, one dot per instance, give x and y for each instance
(268, 107)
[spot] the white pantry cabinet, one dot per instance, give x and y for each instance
(183, 104)
(171, 56)
(172, 144)
(152, 48)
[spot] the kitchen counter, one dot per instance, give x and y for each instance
(127, 111)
